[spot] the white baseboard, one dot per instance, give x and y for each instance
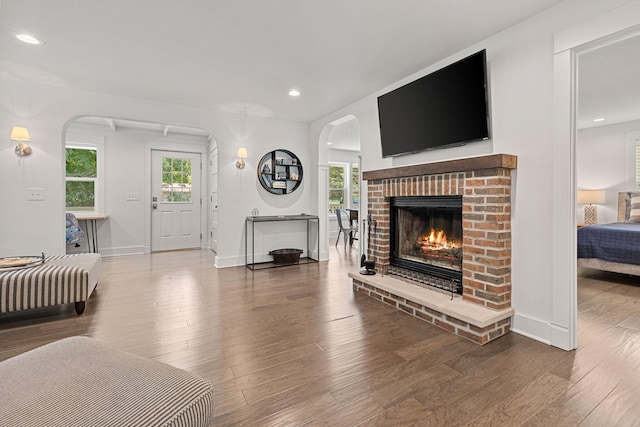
(229, 261)
(121, 251)
(543, 331)
(532, 328)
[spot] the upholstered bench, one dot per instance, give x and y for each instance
(61, 279)
(81, 382)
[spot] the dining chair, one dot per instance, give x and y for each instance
(346, 231)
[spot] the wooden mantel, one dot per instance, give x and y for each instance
(505, 161)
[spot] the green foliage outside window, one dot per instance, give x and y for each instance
(336, 188)
(81, 172)
(81, 195)
(336, 177)
(82, 163)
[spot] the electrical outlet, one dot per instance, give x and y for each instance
(35, 194)
(133, 197)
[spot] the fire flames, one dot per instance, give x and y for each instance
(434, 241)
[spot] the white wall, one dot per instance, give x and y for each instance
(244, 192)
(521, 72)
(342, 156)
(28, 227)
(603, 163)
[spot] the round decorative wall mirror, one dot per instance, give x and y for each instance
(280, 172)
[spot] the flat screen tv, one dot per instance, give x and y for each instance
(448, 107)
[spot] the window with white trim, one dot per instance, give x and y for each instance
(344, 186)
(84, 175)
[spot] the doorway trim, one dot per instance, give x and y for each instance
(617, 24)
(213, 194)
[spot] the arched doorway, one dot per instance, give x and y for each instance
(123, 192)
(339, 175)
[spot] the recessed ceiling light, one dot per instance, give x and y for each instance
(28, 39)
(294, 92)
(601, 119)
(329, 143)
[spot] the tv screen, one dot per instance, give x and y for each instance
(445, 108)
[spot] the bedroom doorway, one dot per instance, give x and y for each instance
(608, 125)
(619, 24)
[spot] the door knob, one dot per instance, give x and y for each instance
(155, 206)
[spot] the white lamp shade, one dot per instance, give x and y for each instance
(588, 197)
(242, 153)
(19, 133)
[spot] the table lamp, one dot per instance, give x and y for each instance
(589, 198)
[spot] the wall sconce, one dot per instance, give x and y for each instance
(590, 197)
(21, 134)
(242, 154)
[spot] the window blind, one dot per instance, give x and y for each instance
(638, 163)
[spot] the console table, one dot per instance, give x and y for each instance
(90, 222)
(276, 218)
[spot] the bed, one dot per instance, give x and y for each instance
(616, 246)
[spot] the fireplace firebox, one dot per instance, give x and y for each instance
(426, 240)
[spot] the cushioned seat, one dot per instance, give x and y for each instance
(62, 279)
(81, 382)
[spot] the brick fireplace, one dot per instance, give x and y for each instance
(483, 312)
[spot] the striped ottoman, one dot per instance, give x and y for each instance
(81, 382)
(62, 279)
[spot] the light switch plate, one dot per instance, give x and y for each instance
(35, 194)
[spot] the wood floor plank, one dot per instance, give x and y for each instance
(554, 415)
(619, 408)
(296, 346)
(409, 412)
(522, 404)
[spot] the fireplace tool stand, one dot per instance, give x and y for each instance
(369, 265)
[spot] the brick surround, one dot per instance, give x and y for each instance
(485, 186)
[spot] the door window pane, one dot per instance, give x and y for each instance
(176, 180)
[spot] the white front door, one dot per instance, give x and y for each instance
(213, 158)
(176, 200)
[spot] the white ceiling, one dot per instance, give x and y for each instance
(609, 84)
(247, 54)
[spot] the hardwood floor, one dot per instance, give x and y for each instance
(296, 346)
